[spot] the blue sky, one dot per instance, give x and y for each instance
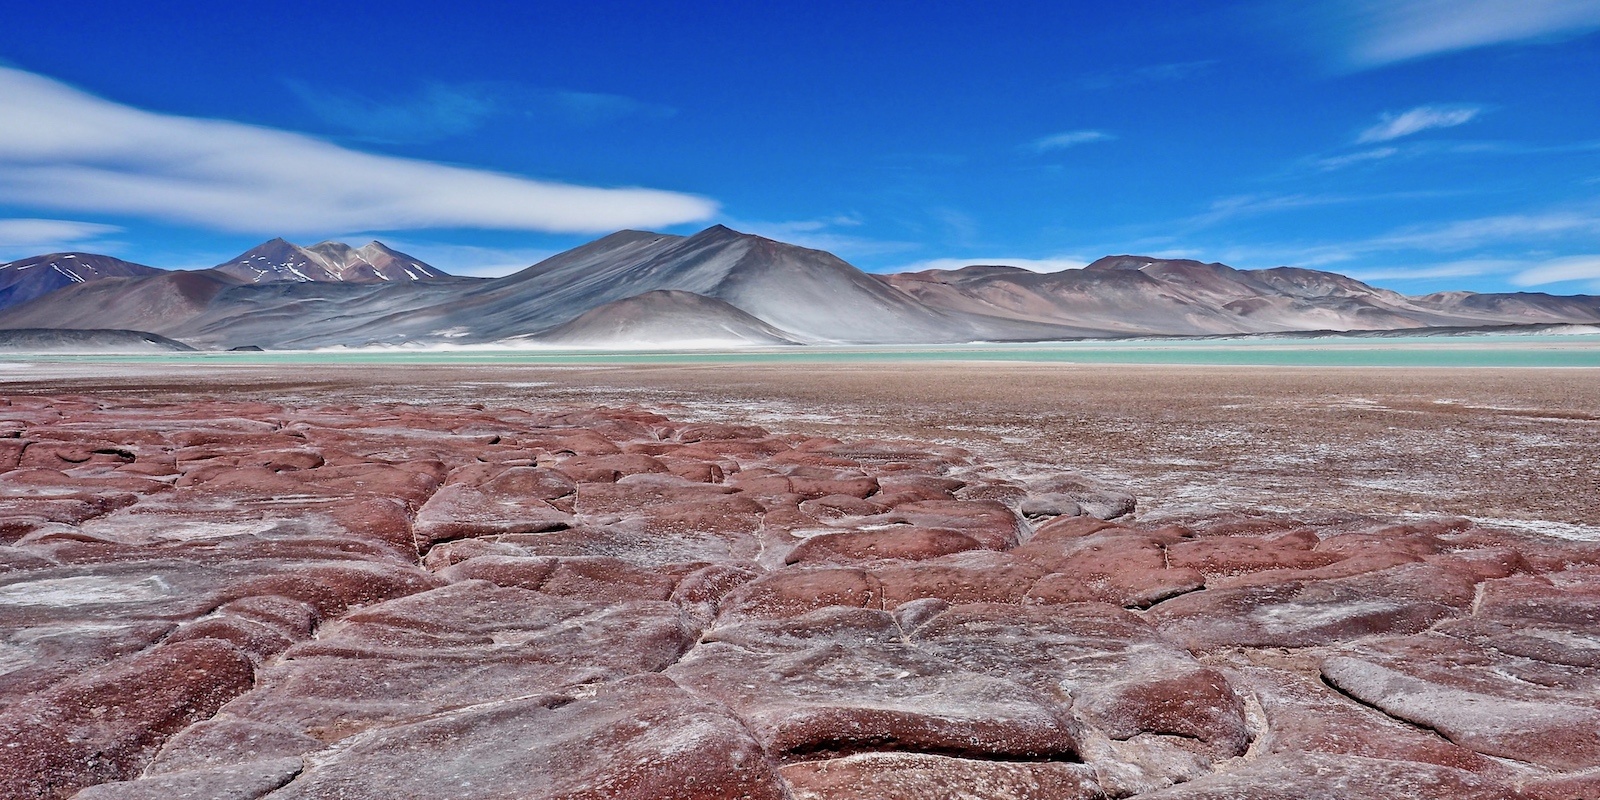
(1418, 144)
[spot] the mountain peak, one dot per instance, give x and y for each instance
(278, 260)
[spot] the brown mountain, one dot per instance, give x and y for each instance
(1142, 295)
(30, 278)
(279, 260)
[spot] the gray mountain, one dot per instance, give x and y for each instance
(665, 318)
(811, 295)
(30, 278)
(635, 284)
(279, 260)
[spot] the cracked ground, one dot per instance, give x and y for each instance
(319, 591)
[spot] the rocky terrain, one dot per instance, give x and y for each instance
(237, 599)
(739, 289)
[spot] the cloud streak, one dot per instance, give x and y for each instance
(1373, 33)
(1417, 120)
(1571, 268)
(1066, 139)
(440, 110)
(64, 149)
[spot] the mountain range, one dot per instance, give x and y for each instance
(717, 287)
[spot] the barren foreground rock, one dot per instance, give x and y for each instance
(244, 600)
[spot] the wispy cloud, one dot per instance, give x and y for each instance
(1144, 74)
(1417, 120)
(440, 110)
(20, 238)
(435, 112)
(1468, 233)
(1054, 264)
(1372, 33)
(823, 233)
(1331, 163)
(1066, 139)
(1450, 269)
(1571, 268)
(50, 232)
(62, 148)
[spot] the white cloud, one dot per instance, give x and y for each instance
(1452, 269)
(1467, 233)
(62, 148)
(1378, 32)
(1066, 139)
(1332, 163)
(1417, 120)
(1571, 268)
(50, 233)
(1032, 264)
(819, 234)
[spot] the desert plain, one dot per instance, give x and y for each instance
(887, 580)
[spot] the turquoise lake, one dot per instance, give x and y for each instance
(1480, 350)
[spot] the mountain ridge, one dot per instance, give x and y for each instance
(753, 289)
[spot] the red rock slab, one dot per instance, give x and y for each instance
(637, 541)
(1007, 581)
(872, 776)
(700, 592)
(1316, 776)
(608, 468)
(1127, 569)
(224, 741)
(645, 495)
(1232, 555)
(994, 525)
(839, 506)
(246, 781)
(1402, 600)
(114, 593)
(1304, 714)
(108, 724)
(40, 655)
(844, 692)
(460, 511)
(709, 432)
(640, 738)
(1570, 598)
(1552, 643)
(895, 542)
(591, 578)
(797, 590)
(1124, 679)
(910, 487)
(1553, 734)
(467, 643)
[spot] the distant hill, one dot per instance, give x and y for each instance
(31, 278)
(56, 340)
(641, 287)
(1141, 295)
(279, 260)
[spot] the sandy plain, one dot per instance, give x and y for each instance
(1512, 447)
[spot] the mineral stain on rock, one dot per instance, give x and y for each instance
(253, 600)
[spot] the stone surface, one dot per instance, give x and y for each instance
(232, 599)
